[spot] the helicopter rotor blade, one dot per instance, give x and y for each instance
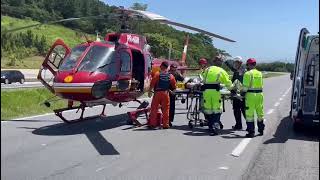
(161, 19)
(50, 22)
(196, 29)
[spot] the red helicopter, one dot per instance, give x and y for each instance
(114, 70)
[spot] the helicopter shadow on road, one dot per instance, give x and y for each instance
(285, 131)
(90, 128)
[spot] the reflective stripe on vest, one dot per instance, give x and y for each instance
(251, 79)
(211, 85)
(251, 84)
(206, 77)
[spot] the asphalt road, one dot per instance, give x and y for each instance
(106, 148)
(24, 85)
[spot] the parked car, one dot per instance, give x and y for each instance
(10, 76)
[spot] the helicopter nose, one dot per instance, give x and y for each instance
(100, 88)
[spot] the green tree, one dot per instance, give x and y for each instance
(139, 6)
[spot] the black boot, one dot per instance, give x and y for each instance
(221, 125)
(250, 129)
(250, 135)
(213, 132)
(260, 128)
(237, 127)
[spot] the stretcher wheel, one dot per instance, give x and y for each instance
(190, 124)
(201, 124)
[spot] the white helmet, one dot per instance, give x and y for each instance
(237, 58)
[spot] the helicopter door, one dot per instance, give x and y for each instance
(124, 79)
(58, 51)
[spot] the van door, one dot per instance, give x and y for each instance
(297, 75)
(311, 78)
(58, 51)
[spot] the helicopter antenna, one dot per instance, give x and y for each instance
(97, 36)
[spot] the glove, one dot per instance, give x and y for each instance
(171, 92)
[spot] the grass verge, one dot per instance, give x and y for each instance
(33, 62)
(26, 102)
(51, 32)
(273, 74)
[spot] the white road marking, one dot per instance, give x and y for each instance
(43, 144)
(287, 91)
(99, 169)
(284, 95)
(280, 99)
(270, 111)
(242, 145)
(224, 167)
(277, 104)
(30, 117)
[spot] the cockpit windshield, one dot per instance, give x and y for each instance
(71, 60)
(98, 57)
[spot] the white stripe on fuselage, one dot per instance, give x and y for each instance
(73, 84)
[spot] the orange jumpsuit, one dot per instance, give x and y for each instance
(160, 98)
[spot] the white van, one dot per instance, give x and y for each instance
(304, 98)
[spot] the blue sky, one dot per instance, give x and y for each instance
(267, 30)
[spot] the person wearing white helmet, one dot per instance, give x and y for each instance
(238, 105)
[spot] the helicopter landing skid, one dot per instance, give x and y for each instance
(58, 112)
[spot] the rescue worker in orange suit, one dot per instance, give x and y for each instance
(161, 83)
(178, 77)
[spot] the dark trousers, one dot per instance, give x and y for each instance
(238, 107)
(172, 107)
(212, 119)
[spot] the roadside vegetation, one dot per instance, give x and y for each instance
(26, 102)
(27, 48)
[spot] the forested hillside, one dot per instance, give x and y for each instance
(160, 36)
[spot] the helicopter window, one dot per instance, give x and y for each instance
(71, 60)
(57, 56)
(97, 57)
(125, 62)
